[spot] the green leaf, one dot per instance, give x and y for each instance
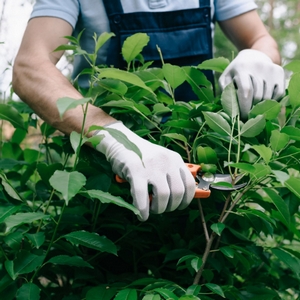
(248, 168)
(151, 297)
(102, 39)
(167, 294)
(127, 294)
(124, 76)
(10, 114)
(23, 218)
(114, 86)
(120, 137)
(206, 155)
(160, 108)
(37, 239)
(100, 292)
(215, 289)
(25, 263)
(133, 46)
(8, 210)
(14, 240)
(217, 123)
(229, 101)
(131, 106)
(9, 189)
(196, 263)
(66, 103)
(174, 75)
(176, 136)
(108, 198)
(67, 183)
(74, 261)
(218, 64)
(268, 108)
(261, 171)
(253, 127)
(189, 297)
(227, 251)
(193, 290)
(293, 66)
(91, 240)
(280, 204)
(292, 132)
(76, 141)
(291, 261)
(264, 152)
(293, 184)
(186, 257)
(278, 140)
(217, 228)
(28, 291)
(294, 90)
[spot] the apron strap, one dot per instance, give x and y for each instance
(204, 3)
(113, 7)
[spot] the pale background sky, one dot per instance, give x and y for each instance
(13, 16)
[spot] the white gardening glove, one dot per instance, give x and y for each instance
(256, 78)
(173, 185)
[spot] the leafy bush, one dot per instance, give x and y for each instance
(68, 230)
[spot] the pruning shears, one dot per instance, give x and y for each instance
(206, 181)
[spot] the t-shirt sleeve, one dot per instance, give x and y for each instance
(67, 10)
(225, 9)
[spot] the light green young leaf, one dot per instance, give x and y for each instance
(37, 239)
(76, 141)
(292, 132)
(215, 289)
(102, 39)
(28, 291)
(104, 197)
(91, 240)
(218, 64)
(67, 183)
(206, 155)
(217, 123)
(293, 66)
(127, 294)
(280, 204)
(294, 90)
(278, 140)
(260, 171)
(176, 136)
(291, 261)
(217, 228)
(264, 152)
(229, 101)
(23, 218)
(133, 46)
(281, 176)
(124, 76)
(253, 127)
(74, 261)
(248, 168)
(160, 108)
(10, 114)
(66, 103)
(174, 75)
(293, 184)
(268, 108)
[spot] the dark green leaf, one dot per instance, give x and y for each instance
(92, 240)
(100, 292)
(227, 251)
(75, 261)
(8, 210)
(292, 132)
(217, 228)
(114, 86)
(176, 136)
(217, 123)
(215, 289)
(37, 239)
(127, 294)
(28, 291)
(291, 261)
(253, 127)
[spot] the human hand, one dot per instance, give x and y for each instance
(256, 78)
(173, 185)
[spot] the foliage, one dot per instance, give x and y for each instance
(68, 230)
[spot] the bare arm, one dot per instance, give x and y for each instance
(38, 82)
(247, 31)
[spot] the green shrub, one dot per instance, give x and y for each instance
(68, 230)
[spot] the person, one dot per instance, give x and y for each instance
(186, 25)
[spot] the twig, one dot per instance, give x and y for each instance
(203, 220)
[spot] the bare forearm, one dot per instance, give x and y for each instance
(40, 84)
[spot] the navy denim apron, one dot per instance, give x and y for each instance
(184, 36)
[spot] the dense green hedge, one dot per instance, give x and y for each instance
(68, 230)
